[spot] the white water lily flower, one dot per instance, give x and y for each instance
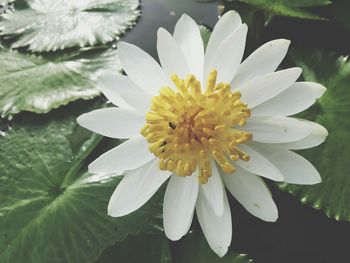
(205, 120)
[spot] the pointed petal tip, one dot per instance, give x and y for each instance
(185, 16)
(103, 84)
(161, 30)
(294, 71)
(80, 120)
(321, 90)
(284, 41)
(278, 177)
(91, 168)
(173, 236)
(231, 14)
(221, 251)
(281, 42)
(161, 34)
(271, 218)
(318, 180)
(321, 130)
(111, 212)
(325, 132)
(122, 44)
(115, 209)
(187, 19)
(297, 70)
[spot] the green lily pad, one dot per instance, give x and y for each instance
(56, 24)
(139, 249)
(51, 210)
(38, 84)
(332, 111)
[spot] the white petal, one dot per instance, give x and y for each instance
(140, 101)
(229, 55)
(188, 36)
(276, 129)
(179, 202)
(295, 168)
(262, 61)
(259, 165)
(136, 188)
(112, 85)
(317, 136)
(113, 122)
(227, 24)
(126, 156)
(170, 55)
(213, 191)
(251, 191)
(142, 68)
(262, 88)
(298, 97)
(217, 229)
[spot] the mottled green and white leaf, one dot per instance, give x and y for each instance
(48, 25)
(6, 6)
(38, 84)
(332, 111)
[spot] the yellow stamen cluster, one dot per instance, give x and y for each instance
(187, 128)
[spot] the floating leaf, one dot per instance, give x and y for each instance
(139, 249)
(38, 84)
(332, 157)
(288, 8)
(48, 25)
(50, 211)
(6, 6)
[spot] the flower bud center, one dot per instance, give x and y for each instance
(187, 128)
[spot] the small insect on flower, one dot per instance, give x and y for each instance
(208, 122)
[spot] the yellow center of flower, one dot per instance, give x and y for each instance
(187, 128)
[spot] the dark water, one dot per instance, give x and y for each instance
(165, 13)
(301, 234)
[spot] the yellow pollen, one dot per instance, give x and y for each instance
(188, 127)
